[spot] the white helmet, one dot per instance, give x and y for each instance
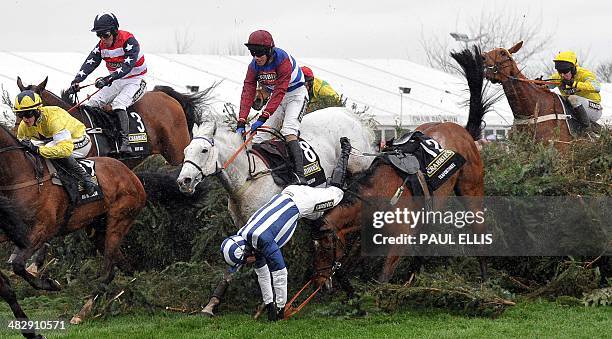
(234, 250)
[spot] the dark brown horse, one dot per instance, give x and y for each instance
(381, 181)
(536, 109)
(51, 213)
(167, 115)
(15, 230)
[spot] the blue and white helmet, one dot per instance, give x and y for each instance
(234, 250)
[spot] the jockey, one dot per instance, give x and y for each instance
(580, 87)
(58, 129)
(317, 88)
(272, 226)
(278, 73)
(126, 64)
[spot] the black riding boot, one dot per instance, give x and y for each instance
(298, 161)
(70, 163)
(124, 123)
(582, 116)
(273, 312)
(339, 173)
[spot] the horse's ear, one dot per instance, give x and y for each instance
(516, 47)
(42, 85)
(195, 129)
(20, 84)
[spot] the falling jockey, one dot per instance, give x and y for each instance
(272, 226)
(126, 64)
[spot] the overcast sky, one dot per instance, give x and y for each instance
(314, 28)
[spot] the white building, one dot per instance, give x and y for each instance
(375, 83)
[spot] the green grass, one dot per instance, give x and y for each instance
(535, 319)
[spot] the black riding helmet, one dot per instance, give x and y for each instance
(106, 22)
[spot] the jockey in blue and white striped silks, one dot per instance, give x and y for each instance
(272, 226)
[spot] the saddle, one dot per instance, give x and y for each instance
(62, 177)
(105, 132)
(573, 124)
(275, 155)
(416, 155)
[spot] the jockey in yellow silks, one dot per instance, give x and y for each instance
(52, 132)
(579, 86)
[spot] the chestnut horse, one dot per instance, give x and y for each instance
(15, 230)
(536, 109)
(50, 212)
(167, 115)
(381, 181)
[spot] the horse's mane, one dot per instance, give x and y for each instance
(480, 102)
(12, 224)
(68, 98)
(195, 105)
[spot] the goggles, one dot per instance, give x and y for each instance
(104, 35)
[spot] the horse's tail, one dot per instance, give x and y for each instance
(12, 225)
(472, 67)
(162, 187)
(193, 104)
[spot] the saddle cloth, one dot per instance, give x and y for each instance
(61, 177)
(414, 151)
(275, 155)
(105, 132)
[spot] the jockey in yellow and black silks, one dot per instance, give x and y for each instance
(318, 89)
(52, 133)
(579, 86)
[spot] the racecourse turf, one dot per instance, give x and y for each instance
(527, 319)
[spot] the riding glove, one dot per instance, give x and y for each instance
(30, 146)
(74, 88)
(102, 82)
(260, 121)
(240, 127)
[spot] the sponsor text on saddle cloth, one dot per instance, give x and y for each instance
(60, 177)
(437, 163)
(105, 132)
(275, 155)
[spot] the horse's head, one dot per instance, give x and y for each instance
(201, 157)
(499, 65)
(330, 240)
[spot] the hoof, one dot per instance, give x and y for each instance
(208, 313)
(76, 320)
(33, 269)
(51, 285)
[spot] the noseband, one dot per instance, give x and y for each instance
(200, 170)
(499, 65)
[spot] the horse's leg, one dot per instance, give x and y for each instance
(8, 295)
(118, 223)
(217, 295)
(39, 259)
(21, 255)
(470, 190)
(391, 262)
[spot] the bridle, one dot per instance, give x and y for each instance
(211, 141)
(498, 66)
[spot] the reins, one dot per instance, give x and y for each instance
(337, 233)
(79, 103)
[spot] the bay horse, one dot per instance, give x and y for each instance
(536, 109)
(382, 180)
(167, 114)
(50, 212)
(213, 146)
(15, 230)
